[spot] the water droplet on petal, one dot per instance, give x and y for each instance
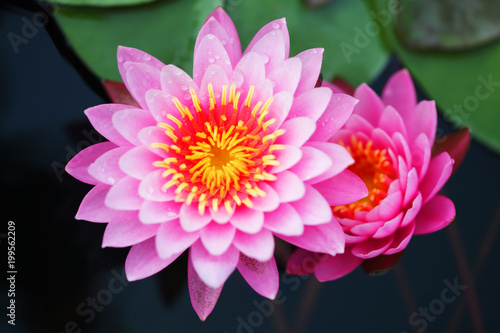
(151, 189)
(314, 51)
(177, 72)
(265, 58)
(146, 57)
(111, 180)
(216, 56)
(210, 36)
(120, 58)
(184, 87)
(170, 214)
(163, 112)
(238, 78)
(211, 60)
(187, 97)
(275, 25)
(224, 42)
(217, 95)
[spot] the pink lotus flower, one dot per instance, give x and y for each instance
(219, 163)
(391, 140)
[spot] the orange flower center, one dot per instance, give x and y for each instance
(220, 156)
(375, 168)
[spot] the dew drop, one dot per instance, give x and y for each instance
(127, 66)
(171, 213)
(187, 97)
(120, 58)
(184, 87)
(238, 78)
(211, 60)
(265, 58)
(216, 56)
(163, 113)
(275, 25)
(170, 81)
(314, 51)
(151, 189)
(210, 36)
(217, 95)
(224, 42)
(111, 180)
(177, 72)
(211, 72)
(146, 57)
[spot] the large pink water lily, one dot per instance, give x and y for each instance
(220, 162)
(391, 140)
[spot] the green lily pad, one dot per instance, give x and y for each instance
(465, 84)
(449, 25)
(99, 3)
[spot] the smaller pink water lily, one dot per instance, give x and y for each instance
(391, 140)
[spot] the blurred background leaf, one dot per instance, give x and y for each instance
(465, 84)
(99, 3)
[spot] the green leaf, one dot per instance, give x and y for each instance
(164, 29)
(444, 24)
(465, 84)
(334, 27)
(99, 3)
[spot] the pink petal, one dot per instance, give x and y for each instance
(138, 162)
(335, 267)
(311, 104)
(125, 229)
(143, 261)
(78, 166)
(141, 78)
(221, 216)
(313, 163)
(129, 122)
(436, 214)
(345, 188)
(311, 66)
(313, 208)
(303, 262)
(401, 239)
(261, 276)
(372, 247)
(324, 238)
(177, 83)
(217, 237)
(402, 173)
(336, 114)
(402, 147)
(284, 220)
(191, 220)
(126, 54)
(297, 131)
(106, 169)
(247, 220)
(210, 51)
(161, 104)
(286, 76)
(172, 240)
(421, 154)
(411, 186)
(412, 212)
(423, 120)
(157, 212)
(279, 108)
(356, 123)
(213, 270)
(340, 157)
(151, 187)
(154, 134)
(389, 227)
(217, 78)
(370, 106)
(268, 203)
(214, 28)
(439, 171)
(287, 157)
(272, 43)
(390, 206)
(203, 298)
(288, 186)
(259, 246)
(366, 228)
(100, 117)
(391, 122)
(124, 195)
(400, 93)
(92, 207)
(249, 70)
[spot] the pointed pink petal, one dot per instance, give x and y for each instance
(203, 298)
(78, 166)
(311, 66)
(436, 214)
(217, 237)
(411, 186)
(297, 131)
(172, 240)
(177, 83)
(143, 261)
(412, 212)
(356, 123)
(126, 54)
(389, 227)
(455, 144)
(272, 43)
(141, 78)
(313, 208)
(129, 122)
(390, 206)
(125, 229)
(401, 239)
(217, 78)
(118, 93)
(372, 247)
(314, 162)
(221, 216)
(124, 195)
(423, 120)
(138, 162)
(324, 238)
(100, 117)
(421, 154)
(438, 173)
(261, 276)
(335, 267)
(381, 140)
(402, 147)
(391, 122)
(279, 109)
(151, 187)
(366, 228)
(249, 70)
(284, 220)
(213, 270)
(312, 103)
(106, 169)
(268, 203)
(157, 212)
(286, 76)
(336, 114)
(288, 186)
(303, 262)
(340, 157)
(210, 51)
(400, 93)
(259, 246)
(232, 44)
(287, 157)
(191, 220)
(92, 207)
(370, 106)
(247, 220)
(343, 189)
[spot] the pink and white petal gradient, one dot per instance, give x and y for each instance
(390, 139)
(140, 185)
